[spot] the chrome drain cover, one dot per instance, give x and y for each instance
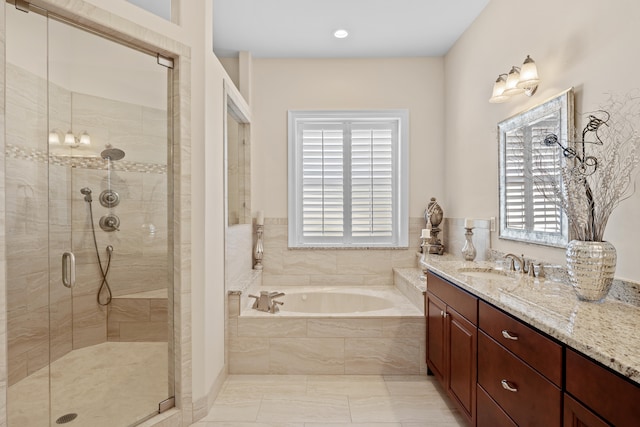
(66, 418)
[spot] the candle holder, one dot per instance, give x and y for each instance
(468, 250)
(259, 251)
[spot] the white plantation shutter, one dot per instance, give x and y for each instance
(372, 179)
(348, 179)
(516, 192)
(322, 180)
(529, 198)
(546, 161)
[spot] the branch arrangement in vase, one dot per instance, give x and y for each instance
(599, 171)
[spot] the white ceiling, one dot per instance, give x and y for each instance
(304, 28)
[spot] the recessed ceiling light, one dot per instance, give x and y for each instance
(341, 34)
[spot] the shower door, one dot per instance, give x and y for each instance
(88, 208)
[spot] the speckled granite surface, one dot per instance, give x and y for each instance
(608, 332)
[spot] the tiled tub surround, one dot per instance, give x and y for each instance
(607, 332)
(349, 267)
(388, 341)
(59, 217)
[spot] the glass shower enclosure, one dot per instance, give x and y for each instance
(88, 212)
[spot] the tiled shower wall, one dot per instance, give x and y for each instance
(283, 266)
(40, 216)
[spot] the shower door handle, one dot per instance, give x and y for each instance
(68, 269)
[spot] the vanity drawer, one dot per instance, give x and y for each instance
(537, 350)
(614, 398)
(462, 301)
(489, 414)
(533, 400)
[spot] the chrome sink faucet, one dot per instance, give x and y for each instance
(524, 266)
(513, 258)
(267, 301)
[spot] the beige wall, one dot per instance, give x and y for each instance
(280, 85)
(587, 44)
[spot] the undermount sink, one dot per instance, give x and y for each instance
(484, 272)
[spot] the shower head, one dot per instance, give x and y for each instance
(112, 154)
(87, 194)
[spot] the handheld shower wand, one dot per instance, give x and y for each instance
(104, 271)
(87, 194)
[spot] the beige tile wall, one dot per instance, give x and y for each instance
(180, 298)
(140, 259)
(137, 319)
(284, 266)
(337, 345)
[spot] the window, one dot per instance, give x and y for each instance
(348, 178)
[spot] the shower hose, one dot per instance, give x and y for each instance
(104, 285)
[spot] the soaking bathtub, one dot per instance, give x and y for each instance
(327, 330)
(332, 301)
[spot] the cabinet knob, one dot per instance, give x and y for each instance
(507, 386)
(508, 335)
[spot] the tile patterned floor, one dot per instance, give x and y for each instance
(331, 401)
(109, 384)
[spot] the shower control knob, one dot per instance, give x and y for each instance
(110, 222)
(109, 198)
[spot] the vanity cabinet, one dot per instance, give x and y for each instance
(519, 369)
(593, 389)
(502, 372)
(452, 341)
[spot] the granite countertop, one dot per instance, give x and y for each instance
(608, 332)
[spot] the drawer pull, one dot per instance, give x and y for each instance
(507, 386)
(508, 335)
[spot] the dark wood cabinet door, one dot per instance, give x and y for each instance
(577, 415)
(436, 338)
(463, 345)
(608, 394)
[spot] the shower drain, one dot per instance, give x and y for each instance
(66, 418)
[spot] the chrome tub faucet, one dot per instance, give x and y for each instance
(267, 301)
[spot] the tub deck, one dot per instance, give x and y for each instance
(399, 304)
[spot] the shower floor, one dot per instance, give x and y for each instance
(107, 385)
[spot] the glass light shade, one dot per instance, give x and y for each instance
(54, 138)
(69, 139)
(498, 95)
(511, 87)
(85, 139)
(528, 74)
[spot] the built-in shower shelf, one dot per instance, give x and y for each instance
(141, 316)
(156, 293)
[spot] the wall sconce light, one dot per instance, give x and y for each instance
(54, 137)
(70, 140)
(519, 80)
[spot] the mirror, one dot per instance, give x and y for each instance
(238, 168)
(527, 211)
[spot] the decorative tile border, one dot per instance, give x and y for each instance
(82, 162)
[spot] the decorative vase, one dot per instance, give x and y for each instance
(591, 267)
